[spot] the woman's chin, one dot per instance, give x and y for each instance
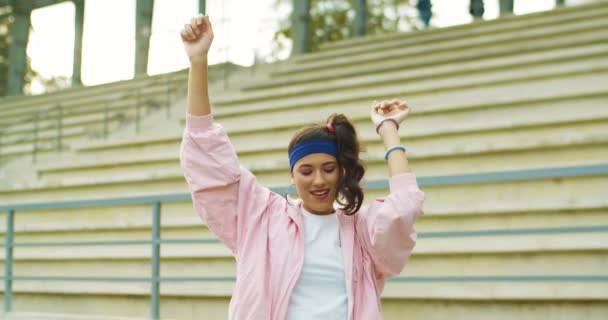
(323, 210)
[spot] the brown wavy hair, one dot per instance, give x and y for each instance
(351, 166)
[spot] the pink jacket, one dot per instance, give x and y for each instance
(264, 231)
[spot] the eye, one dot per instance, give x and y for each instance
(330, 170)
(305, 173)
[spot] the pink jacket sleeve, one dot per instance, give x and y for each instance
(387, 226)
(225, 195)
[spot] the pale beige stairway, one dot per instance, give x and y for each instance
(508, 138)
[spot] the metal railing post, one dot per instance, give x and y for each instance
(255, 61)
(168, 95)
(225, 70)
(59, 126)
(227, 47)
(106, 116)
(35, 146)
(1, 132)
(8, 261)
(155, 279)
(137, 97)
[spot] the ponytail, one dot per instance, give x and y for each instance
(348, 159)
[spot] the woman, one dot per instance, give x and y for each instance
(311, 259)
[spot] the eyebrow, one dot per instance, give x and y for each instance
(324, 164)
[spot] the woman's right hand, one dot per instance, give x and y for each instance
(394, 109)
(197, 37)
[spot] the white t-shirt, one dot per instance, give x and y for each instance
(320, 292)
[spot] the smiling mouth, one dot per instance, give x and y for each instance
(320, 194)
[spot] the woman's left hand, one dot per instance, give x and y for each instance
(393, 109)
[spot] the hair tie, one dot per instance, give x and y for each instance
(331, 127)
(387, 119)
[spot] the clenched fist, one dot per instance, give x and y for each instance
(394, 109)
(197, 37)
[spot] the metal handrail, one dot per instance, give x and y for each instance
(156, 241)
(36, 116)
(35, 147)
(21, 119)
(1, 134)
(59, 127)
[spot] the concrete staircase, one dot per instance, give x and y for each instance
(59, 316)
(508, 138)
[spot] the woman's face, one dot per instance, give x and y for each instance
(316, 179)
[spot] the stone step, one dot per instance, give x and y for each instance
(483, 118)
(463, 83)
(80, 112)
(83, 104)
(493, 56)
(59, 316)
(50, 123)
(44, 135)
(536, 92)
(73, 96)
(456, 47)
(514, 23)
(505, 191)
(467, 289)
(489, 241)
(572, 145)
(445, 66)
(436, 254)
(154, 89)
(21, 150)
(482, 143)
(437, 309)
(437, 300)
(421, 124)
(277, 174)
(180, 221)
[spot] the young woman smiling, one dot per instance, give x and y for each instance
(325, 256)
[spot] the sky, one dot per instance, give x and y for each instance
(243, 28)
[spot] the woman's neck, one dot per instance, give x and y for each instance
(321, 213)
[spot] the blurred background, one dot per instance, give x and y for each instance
(247, 31)
(508, 139)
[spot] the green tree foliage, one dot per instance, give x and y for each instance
(4, 27)
(332, 20)
(5, 39)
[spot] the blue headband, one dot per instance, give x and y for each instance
(312, 146)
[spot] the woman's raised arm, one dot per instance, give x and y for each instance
(197, 37)
(226, 195)
(394, 112)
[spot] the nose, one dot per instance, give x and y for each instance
(318, 180)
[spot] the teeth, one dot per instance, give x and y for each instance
(320, 193)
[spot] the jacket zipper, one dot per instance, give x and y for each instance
(349, 293)
(293, 280)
